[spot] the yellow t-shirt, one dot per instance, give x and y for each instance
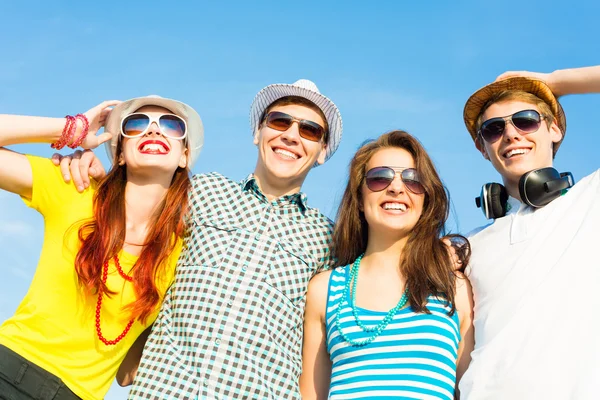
(54, 326)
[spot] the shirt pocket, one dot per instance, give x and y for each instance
(290, 271)
(207, 240)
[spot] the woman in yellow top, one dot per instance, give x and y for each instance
(109, 253)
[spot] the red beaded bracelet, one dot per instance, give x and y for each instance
(84, 131)
(66, 133)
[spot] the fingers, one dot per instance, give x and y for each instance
(56, 159)
(96, 169)
(74, 168)
(99, 110)
(104, 115)
(65, 161)
(510, 74)
(110, 103)
(104, 137)
(454, 257)
(85, 162)
(106, 104)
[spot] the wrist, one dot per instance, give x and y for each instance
(82, 128)
(74, 132)
(558, 81)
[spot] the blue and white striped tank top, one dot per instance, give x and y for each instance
(413, 358)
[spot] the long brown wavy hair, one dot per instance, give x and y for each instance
(425, 261)
(103, 237)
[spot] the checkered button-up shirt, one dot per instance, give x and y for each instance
(231, 325)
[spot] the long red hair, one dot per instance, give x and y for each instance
(103, 237)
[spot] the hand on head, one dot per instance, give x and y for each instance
(97, 117)
(545, 77)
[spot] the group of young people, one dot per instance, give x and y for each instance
(207, 288)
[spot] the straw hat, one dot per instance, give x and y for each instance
(536, 87)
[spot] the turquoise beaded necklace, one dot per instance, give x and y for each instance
(376, 329)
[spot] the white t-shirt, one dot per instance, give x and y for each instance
(536, 284)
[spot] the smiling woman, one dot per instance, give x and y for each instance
(393, 320)
(109, 253)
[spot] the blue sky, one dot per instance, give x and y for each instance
(387, 65)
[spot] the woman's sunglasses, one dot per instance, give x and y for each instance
(379, 178)
(526, 121)
(137, 124)
(309, 130)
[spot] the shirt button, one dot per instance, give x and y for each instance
(230, 303)
(218, 342)
(205, 383)
(244, 268)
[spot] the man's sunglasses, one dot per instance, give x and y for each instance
(137, 124)
(526, 121)
(379, 178)
(309, 130)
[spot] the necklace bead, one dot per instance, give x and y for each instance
(99, 305)
(375, 329)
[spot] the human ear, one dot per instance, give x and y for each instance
(322, 154)
(481, 147)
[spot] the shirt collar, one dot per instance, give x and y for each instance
(296, 198)
(513, 205)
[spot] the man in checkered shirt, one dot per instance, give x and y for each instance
(231, 325)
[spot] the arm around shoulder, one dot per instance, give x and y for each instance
(464, 306)
(316, 365)
(131, 362)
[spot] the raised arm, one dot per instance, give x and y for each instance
(565, 81)
(15, 171)
(316, 365)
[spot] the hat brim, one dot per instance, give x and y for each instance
(538, 88)
(272, 93)
(195, 135)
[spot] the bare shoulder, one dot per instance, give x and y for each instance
(318, 285)
(320, 280)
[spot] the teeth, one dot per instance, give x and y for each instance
(153, 147)
(286, 153)
(516, 151)
(394, 206)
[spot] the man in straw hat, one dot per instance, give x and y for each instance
(535, 269)
(231, 324)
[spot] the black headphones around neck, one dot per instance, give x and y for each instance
(536, 188)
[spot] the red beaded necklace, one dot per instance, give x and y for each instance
(99, 304)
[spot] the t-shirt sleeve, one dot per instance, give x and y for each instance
(50, 193)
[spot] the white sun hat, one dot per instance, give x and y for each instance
(195, 129)
(305, 89)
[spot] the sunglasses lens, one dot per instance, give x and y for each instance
(172, 126)
(279, 121)
(379, 178)
(410, 177)
(135, 124)
(311, 131)
(527, 121)
(492, 129)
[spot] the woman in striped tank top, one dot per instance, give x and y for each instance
(393, 320)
